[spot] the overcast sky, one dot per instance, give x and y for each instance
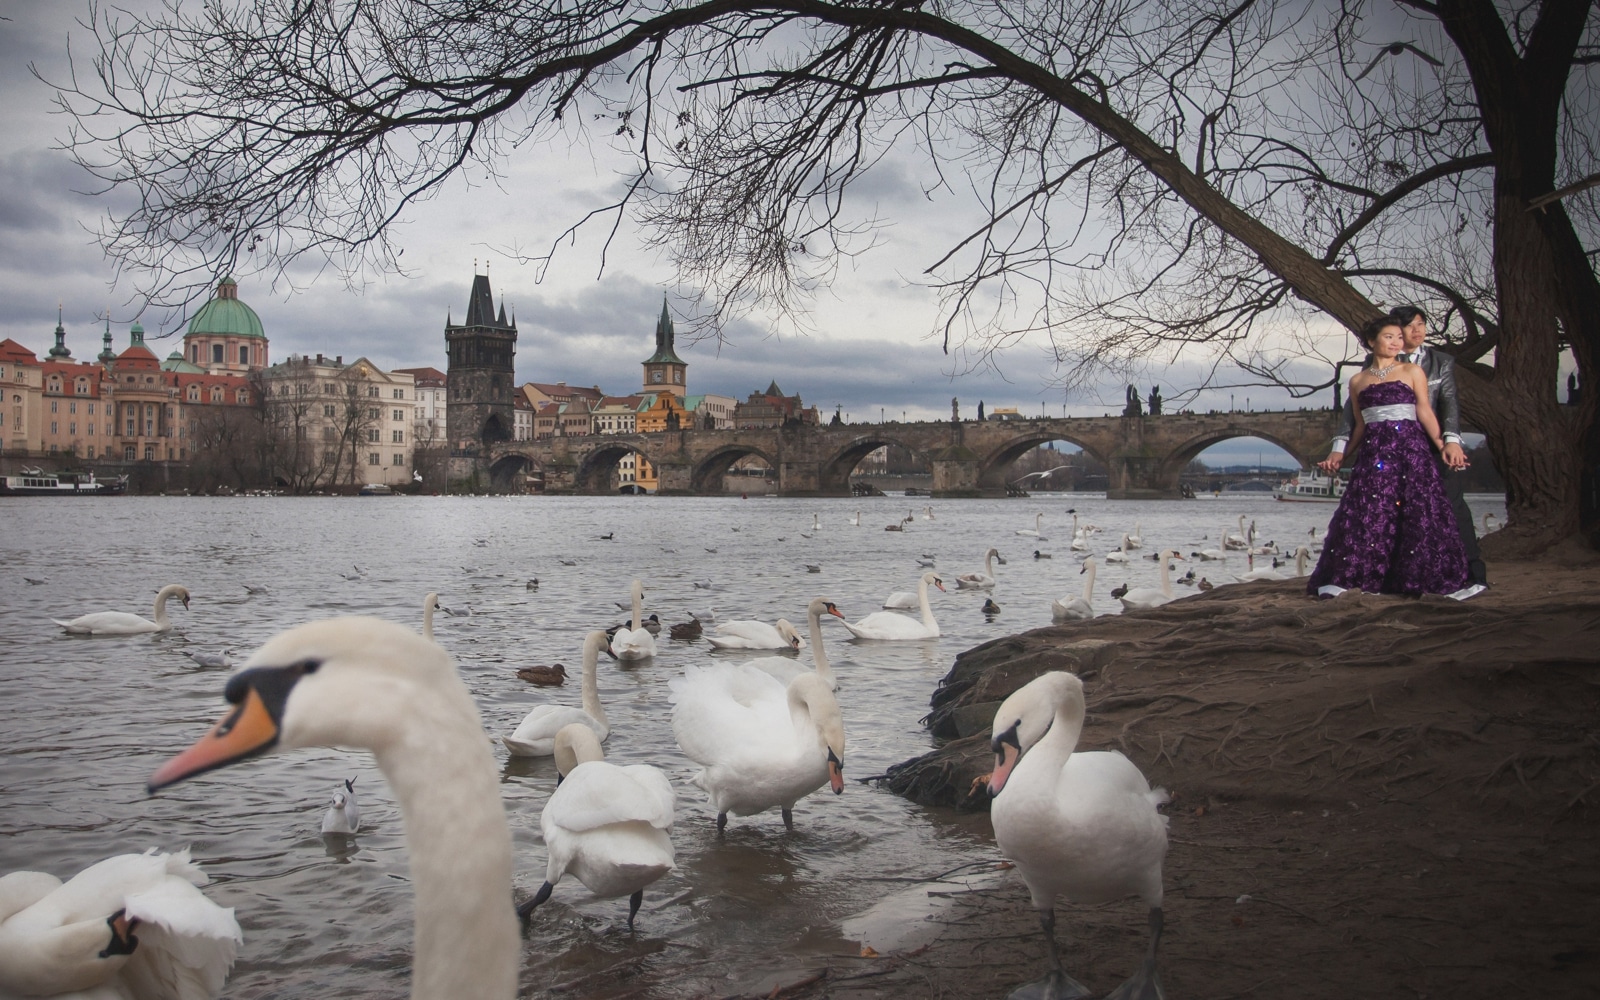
(868, 347)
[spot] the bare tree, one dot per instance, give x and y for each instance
(1147, 177)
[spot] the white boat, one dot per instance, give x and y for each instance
(33, 483)
(1311, 486)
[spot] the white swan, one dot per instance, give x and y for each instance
(124, 623)
(1135, 540)
(1080, 537)
(888, 625)
(1302, 556)
(535, 735)
(1079, 824)
(122, 927)
(979, 581)
(1239, 541)
(1213, 555)
(376, 685)
(1037, 531)
(430, 604)
(785, 669)
(1121, 554)
(747, 633)
(816, 522)
(344, 813)
(856, 521)
(636, 643)
(1150, 597)
(759, 744)
(605, 824)
(1076, 608)
(927, 513)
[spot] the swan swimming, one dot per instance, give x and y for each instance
(1302, 556)
(371, 684)
(747, 633)
(638, 642)
(606, 825)
(758, 743)
(1037, 531)
(1079, 824)
(979, 581)
(888, 625)
(124, 623)
(120, 928)
(535, 735)
(1076, 608)
(1150, 597)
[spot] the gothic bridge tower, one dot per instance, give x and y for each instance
(481, 373)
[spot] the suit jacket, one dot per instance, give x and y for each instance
(1441, 371)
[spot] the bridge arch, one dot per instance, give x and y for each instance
(992, 468)
(1180, 456)
(597, 466)
(506, 471)
(706, 479)
(834, 473)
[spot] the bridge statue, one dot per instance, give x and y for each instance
(1132, 409)
(955, 410)
(1155, 401)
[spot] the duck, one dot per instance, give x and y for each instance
(759, 744)
(605, 824)
(554, 675)
(1037, 531)
(1150, 597)
(1135, 539)
(113, 929)
(344, 814)
(813, 567)
(652, 624)
(894, 527)
(637, 643)
(1187, 579)
(430, 604)
(1075, 608)
(990, 608)
(747, 633)
(891, 626)
(685, 631)
(124, 623)
(1040, 555)
(786, 669)
(370, 684)
(535, 735)
(1118, 591)
(1205, 584)
(1121, 554)
(979, 581)
(1081, 824)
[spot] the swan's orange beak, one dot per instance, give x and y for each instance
(834, 611)
(938, 583)
(247, 730)
(835, 773)
(1007, 751)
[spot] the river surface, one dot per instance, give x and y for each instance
(87, 719)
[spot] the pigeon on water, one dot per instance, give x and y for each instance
(343, 815)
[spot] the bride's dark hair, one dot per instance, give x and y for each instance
(1372, 327)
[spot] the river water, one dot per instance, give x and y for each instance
(88, 719)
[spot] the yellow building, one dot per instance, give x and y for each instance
(665, 413)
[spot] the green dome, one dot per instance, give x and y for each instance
(225, 314)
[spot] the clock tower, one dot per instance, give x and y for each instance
(664, 371)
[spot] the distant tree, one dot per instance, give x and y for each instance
(1147, 176)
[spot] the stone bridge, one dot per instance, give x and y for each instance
(1144, 455)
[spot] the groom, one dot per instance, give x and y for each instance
(1441, 372)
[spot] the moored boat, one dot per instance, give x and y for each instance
(1311, 486)
(33, 483)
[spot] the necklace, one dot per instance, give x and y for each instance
(1382, 373)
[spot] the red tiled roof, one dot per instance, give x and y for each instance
(15, 353)
(429, 378)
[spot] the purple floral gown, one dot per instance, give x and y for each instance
(1394, 531)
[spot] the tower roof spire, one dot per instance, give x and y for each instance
(665, 351)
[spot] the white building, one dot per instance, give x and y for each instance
(349, 424)
(428, 428)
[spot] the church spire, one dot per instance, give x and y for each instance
(106, 353)
(60, 351)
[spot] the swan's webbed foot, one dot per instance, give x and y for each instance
(788, 818)
(1056, 986)
(634, 902)
(1142, 985)
(722, 821)
(525, 910)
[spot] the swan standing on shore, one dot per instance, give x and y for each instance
(636, 643)
(758, 743)
(1076, 608)
(535, 735)
(1150, 597)
(119, 928)
(888, 625)
(979, 581)
(370, 684)
(605, 824)
(747, 633)
(124, 623)
(1079, 824)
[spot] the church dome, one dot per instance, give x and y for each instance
(226, 315)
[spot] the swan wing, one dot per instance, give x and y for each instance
(1070, 609)
(535, 735)
(719, 712)
(888, 625)
(903, 599)
(630, 644)
(108, 622)
(597, 794)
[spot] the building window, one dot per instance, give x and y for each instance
(149, 453)
(91, 432)
(374, 459)
(327, 411)
(216, 354)
(677, 376)
(399, 459)
(244, 355)
(91, 451)
(129, 453)
(194, 353)
(72, 429)
(372, 435)
(372, 413)
(53, 404)
(399, 394)
(399, 414)
(133, 428)
(91, 409)
(399, 437)
(53, 427)
(372, 391)
(72, 407)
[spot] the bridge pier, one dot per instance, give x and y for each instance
(1138, 477)
(956, 473)
(674, 479)
(799, 479)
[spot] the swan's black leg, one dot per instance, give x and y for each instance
(634, 902)
(1057, 985)
(722, 821)
(1144, 985)
(788, 818)
(525, 910)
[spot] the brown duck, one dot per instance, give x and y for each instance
(551, 676)
(690, 629)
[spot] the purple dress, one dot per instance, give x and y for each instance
(1394, 531)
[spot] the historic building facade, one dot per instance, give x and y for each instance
(664, 371)
(226, 337)
(481, 373)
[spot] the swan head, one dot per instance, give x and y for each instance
(790, 634)
(1026, 716)
(575, 744)
(172, 590)
(341, 682)
(811, 692)
(932, 579)
(1088, 564)
(820, 606)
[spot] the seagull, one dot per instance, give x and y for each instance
(712, 551)
(343, 815)
(204, 659)
(926, 563)
(567, 562)
(1394, 49)
(469, 569)
(351, 576)
(32, 581)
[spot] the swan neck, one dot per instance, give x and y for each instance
(161, 607)
(638, 608)
(591, 685)
(1088, 585)
(1056, 747)
(818, 655)
(922, 599)
(427, 621)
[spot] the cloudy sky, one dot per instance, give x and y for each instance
(867, 348)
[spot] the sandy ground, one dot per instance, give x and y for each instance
(1373, 796)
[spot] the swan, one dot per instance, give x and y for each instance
(637, 643)
(430, 604)
(746, 633)
(979, 581)
(1302, 556)
(1150, 597)
(1135, 540)
(1080, 537)
(785, 669)
(856, 521)
(1037, 531)
(124, 623)
(372, 684)
(605, 824)
(1121, 555)
(1213, 555)
(1076, 608)
(927, 513)
(888, 625)
(1238, 541)
(535, 735)
(122, 927)
(816, 522)
(758, 743)
(344, 813)
(1079, 824)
